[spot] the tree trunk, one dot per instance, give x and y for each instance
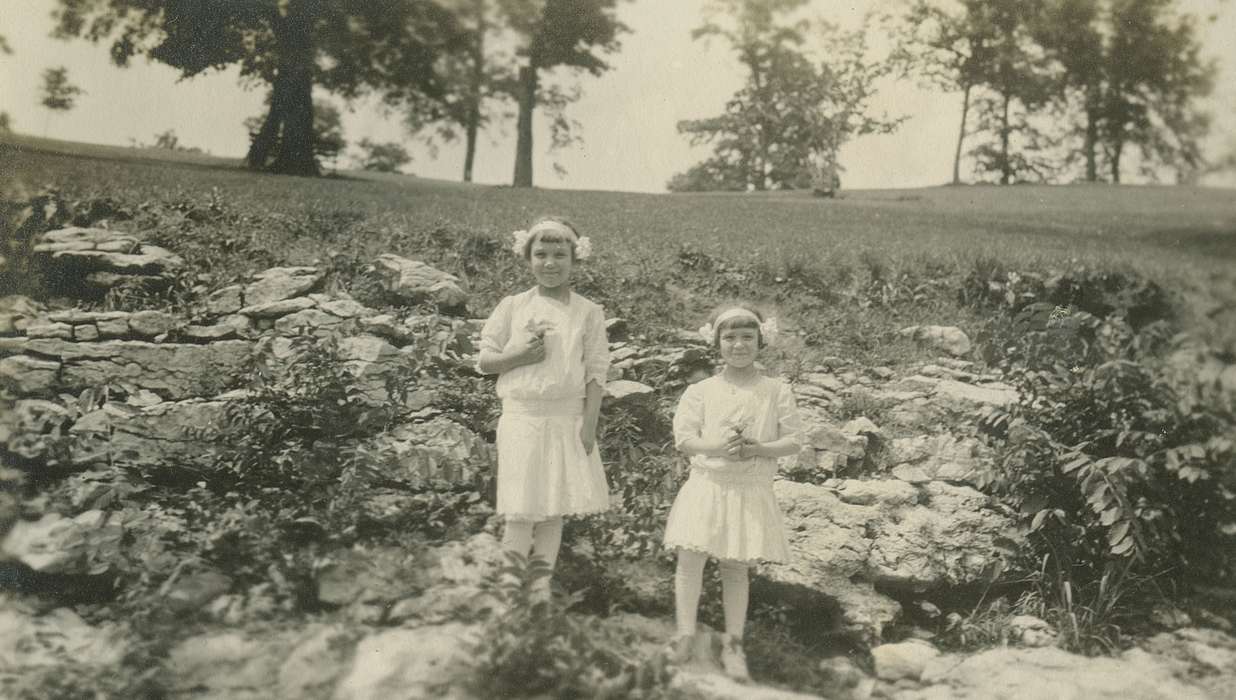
(287, 133)
(1117, 148)
(1006, 168)
(1092, 136)
(475, 88)
(961, 134)
(523, 128)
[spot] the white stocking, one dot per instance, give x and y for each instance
(547, 538)
(735, 594)
(517, 537)
(688, 582)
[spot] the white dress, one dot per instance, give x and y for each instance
(727, 508)
(543, 469)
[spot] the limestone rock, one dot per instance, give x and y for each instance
(1031, 631)
(371, 576)
(29, 427)
(25, 375)
(225, 328)
(279, 283)
(162, 434)
(316, 662)
(951, 540)
(227, 300)
(950, 339)
(230, 664)
(622, 388)
(30, 642)
(1050, 673)
(903, 660)
(277, 308)
(847, 538)
(828, 556)
(49, 329)
(16, 312)
(192, 591)
(151, 323)
(410, 664)
(172, 370)
(939, 457)
(105, 250)
(827, 437)
(414, 282)
(55, 544)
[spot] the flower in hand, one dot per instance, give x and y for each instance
(539, 327)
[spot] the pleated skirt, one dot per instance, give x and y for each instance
(543, 469)
(728, 515)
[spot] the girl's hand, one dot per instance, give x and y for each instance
(588, 436)
(532, 353)
(739, 446)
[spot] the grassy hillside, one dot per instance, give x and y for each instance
(898, 256)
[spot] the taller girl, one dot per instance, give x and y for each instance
(549, 348)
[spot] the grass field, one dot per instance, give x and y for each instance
(1182, 237)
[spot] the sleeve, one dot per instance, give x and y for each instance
(596, 347)
(688, 417)
(789, 422)
(497, 329)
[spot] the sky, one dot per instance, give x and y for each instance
(628, 115)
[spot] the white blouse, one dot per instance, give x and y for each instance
(712, 408)
(576, 347)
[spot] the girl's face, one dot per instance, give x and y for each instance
(739, 346)
(551, 262)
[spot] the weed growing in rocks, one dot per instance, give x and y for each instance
(536, 648)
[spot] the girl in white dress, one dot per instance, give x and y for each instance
(549, 348)
(734, 426)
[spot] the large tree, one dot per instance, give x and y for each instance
(1018, 78)
(478, 83)
(948, 46)
(1155, 75)
(570, 34)
(343, 46)
(784, 126)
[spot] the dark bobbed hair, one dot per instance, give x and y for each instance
(737, 322)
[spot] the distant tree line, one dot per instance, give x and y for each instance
(1049, 89)
(451, 66)
(1064, 89)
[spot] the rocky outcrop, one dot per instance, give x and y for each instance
(414, 282)
(852, 536)
(89, 261)
(170, 370)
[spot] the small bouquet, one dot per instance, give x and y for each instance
(539, 328)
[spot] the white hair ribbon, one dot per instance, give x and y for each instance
(583, 245)
(768, 328)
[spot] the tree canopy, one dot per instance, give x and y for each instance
(347, 47)
(784, 127)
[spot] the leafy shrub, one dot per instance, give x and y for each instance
(1101, 293)
(1118, 474)
(535, 647)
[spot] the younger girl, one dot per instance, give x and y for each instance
(549, 348)
(733, 426)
